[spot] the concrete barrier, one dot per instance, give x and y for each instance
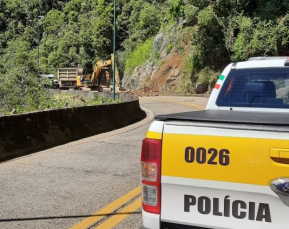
(26, 133)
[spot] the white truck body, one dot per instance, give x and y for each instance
(226, 167)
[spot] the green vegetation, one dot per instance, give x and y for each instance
(229, 31)
(36, 100)
(76, 33)
(139, 56)
(67, 100)
(169, 48)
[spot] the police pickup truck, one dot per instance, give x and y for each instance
(227, 166)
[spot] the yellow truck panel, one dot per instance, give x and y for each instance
(229, 159)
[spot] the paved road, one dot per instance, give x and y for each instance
(80, 184)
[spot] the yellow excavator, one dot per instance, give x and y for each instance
(102, 76)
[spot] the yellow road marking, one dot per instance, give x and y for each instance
(121, 215)
(183, 103)
(108, 209)
(125, 212)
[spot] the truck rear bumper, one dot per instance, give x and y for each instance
(150, 221)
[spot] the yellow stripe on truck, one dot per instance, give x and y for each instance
(154, 135)
(220, 158)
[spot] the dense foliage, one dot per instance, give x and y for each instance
(79, 32)
(234, 30)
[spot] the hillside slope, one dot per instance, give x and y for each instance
(204, 38)
(162, 74)
(162, 46)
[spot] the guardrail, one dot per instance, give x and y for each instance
(27, 133)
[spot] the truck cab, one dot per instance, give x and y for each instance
(259, 84)
(227, 166)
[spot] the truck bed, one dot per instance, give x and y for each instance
(211, 157)
(216, 116)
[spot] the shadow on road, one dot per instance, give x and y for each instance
(67, 217)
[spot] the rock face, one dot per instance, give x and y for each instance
(160, 43)
(153, 80)
(138, 77)
(202, 88)
(144, 73)
(162, 74)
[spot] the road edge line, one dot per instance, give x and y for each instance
(122, 215)
(113, 206)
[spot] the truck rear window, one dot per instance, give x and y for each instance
(257, 87)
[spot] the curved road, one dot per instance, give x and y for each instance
(90, 183)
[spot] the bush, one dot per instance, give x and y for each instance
(22, 92)
(139, 56)
(206, 18)
(169, 48)
(191, 14)
(149, 22)
(210, 47)
(207, 76)
(259, 38)
(185, 86)
(177, 8)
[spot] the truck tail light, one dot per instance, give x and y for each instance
(151, 175)
(149, 171)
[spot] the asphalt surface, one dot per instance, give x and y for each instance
(61, 186)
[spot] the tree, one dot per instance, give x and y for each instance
(103, 33)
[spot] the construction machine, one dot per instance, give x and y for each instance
(102, 76)
(67, 77)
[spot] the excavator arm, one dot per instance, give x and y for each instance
(117, 79)
(100, 65)
(97, 69)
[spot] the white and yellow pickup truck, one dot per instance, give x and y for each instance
(227, 166)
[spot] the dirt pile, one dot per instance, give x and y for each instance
(163, 80)
(163, 73)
